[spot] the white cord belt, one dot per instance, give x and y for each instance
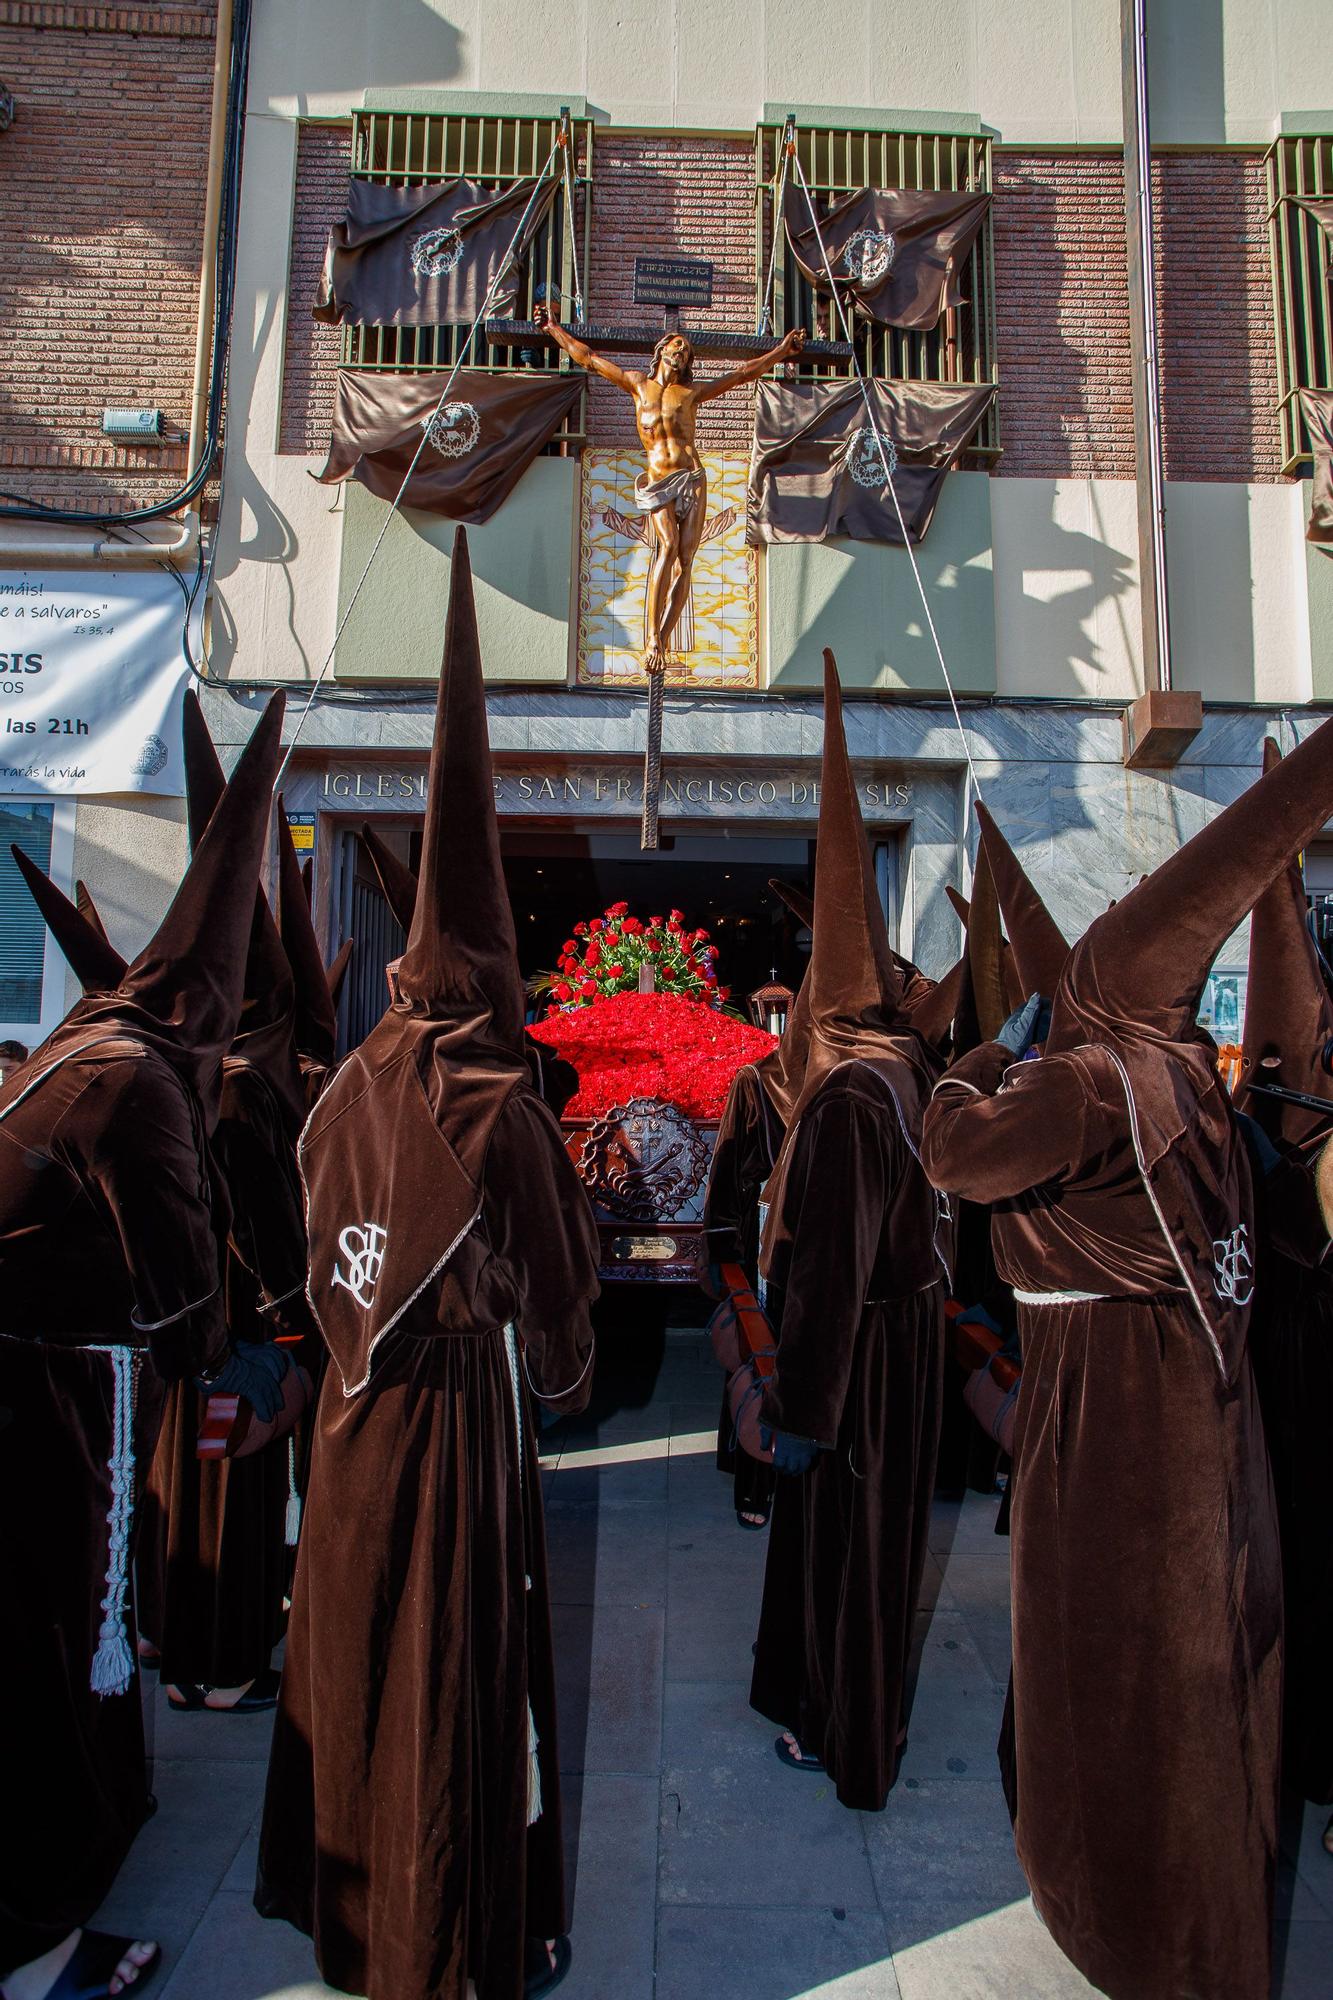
(534, 1767)
(113, 1663)
(1059, 1298)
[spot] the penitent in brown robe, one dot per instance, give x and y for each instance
(410, 1825)
(109, 1276)
(856, 1289)
(1147, 1677)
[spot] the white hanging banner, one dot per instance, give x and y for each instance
(91, 681)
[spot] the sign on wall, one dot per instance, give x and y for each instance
(91, 681)
(716, 643)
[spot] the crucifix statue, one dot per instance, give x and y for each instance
(672, 493)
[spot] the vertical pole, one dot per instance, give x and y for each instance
(1143, 341)
(203, 330)
(652, 764)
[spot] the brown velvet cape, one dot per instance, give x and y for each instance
(1147, 1622)
(815, 472)
(1317, 409)
(396, 1824)
(489, 432)
(898, 252)
(426, 255)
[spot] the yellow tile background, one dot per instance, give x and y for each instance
(613, 575)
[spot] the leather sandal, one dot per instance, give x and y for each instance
(786, 1755)
(262, 1693)
(92, 1967)
(541, 1976)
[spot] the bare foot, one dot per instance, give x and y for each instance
(798, 1755)
(35, 1980)
(1328, 1838)
(215, 1698)
(753, 1520)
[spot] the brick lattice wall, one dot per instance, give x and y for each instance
(311, 349)
(1062, 316)
(101, 215)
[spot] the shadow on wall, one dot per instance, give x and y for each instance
(341, 45)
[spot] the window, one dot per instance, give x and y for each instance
(409, 148)
(32, 985)
(1302, 255)
(962, 347)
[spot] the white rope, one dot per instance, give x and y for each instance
(426, 428)
(888, 475)
(113, 1662)
(573, 234)
(766, 315)
(291, 1525)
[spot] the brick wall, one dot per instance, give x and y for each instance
(311, 349)
(1062, 316)
(101, 214)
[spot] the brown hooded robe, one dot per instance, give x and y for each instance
(1147, 1591)
(1288, 1029)
(453, 1263)
(213, 1567)
(107, 1256)
(855, 1282)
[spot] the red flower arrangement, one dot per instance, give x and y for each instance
(660, 1045)
(602, 957)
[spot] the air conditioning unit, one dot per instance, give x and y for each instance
(132, 423)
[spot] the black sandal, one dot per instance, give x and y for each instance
(751, 1527)
(92, 1967)
(803, 1762)
(544, 1976)
(262, 1693)
(1328, 1837)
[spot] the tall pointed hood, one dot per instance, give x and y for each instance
(798, 901)
(1288, 1012)
(983, 1002)
(1139, 971)
(268, 1005)
(461, 959)
(95, 962)
(87, 908)
(395, 877)
(337, 970)
(181, 997)
(396, 1148)
(315, 1023)
(782, 1071)
(1038, 944)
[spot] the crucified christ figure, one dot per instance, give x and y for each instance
(673, 492)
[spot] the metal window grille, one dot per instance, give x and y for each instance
(962, 347)
(1302, 263)
(408, 148)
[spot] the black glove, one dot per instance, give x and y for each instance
(1020, 1030)
(790, 1454)
(255, 1371)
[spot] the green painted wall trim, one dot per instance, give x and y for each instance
(862, 118)
(1306, 124)
(1319, 583)
(522, 560)
(479, 103)
(861, 599)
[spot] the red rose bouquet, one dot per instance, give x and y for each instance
(651, 1045)
(604, 957)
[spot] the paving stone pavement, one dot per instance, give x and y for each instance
(698, 1865)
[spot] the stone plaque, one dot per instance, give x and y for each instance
(673, 281)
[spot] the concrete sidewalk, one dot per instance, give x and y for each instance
(699, 1866)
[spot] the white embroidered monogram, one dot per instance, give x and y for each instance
(864, 461)
(1234, 1267)
(869, 255)
(363, 1247)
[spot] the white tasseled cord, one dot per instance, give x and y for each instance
(113, 1663)
(534, 1766)
(292, 1522)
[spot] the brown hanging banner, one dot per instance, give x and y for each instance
(816, 469)
(1317, 408)
(895, 253)
(426, 256)
(477, 447)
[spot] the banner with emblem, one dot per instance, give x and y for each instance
(478, 446)
(1317, 409)
(427, 255)
(896, 253)
(817, 464)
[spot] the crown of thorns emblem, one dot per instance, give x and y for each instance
(452, 431)
(436, 251)
(868, 255)
(865, 461)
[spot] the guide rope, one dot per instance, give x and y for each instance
(568, 151)
(790, 148)
(766, 311)
(427, 426)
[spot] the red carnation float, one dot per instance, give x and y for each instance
(661, 1045)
